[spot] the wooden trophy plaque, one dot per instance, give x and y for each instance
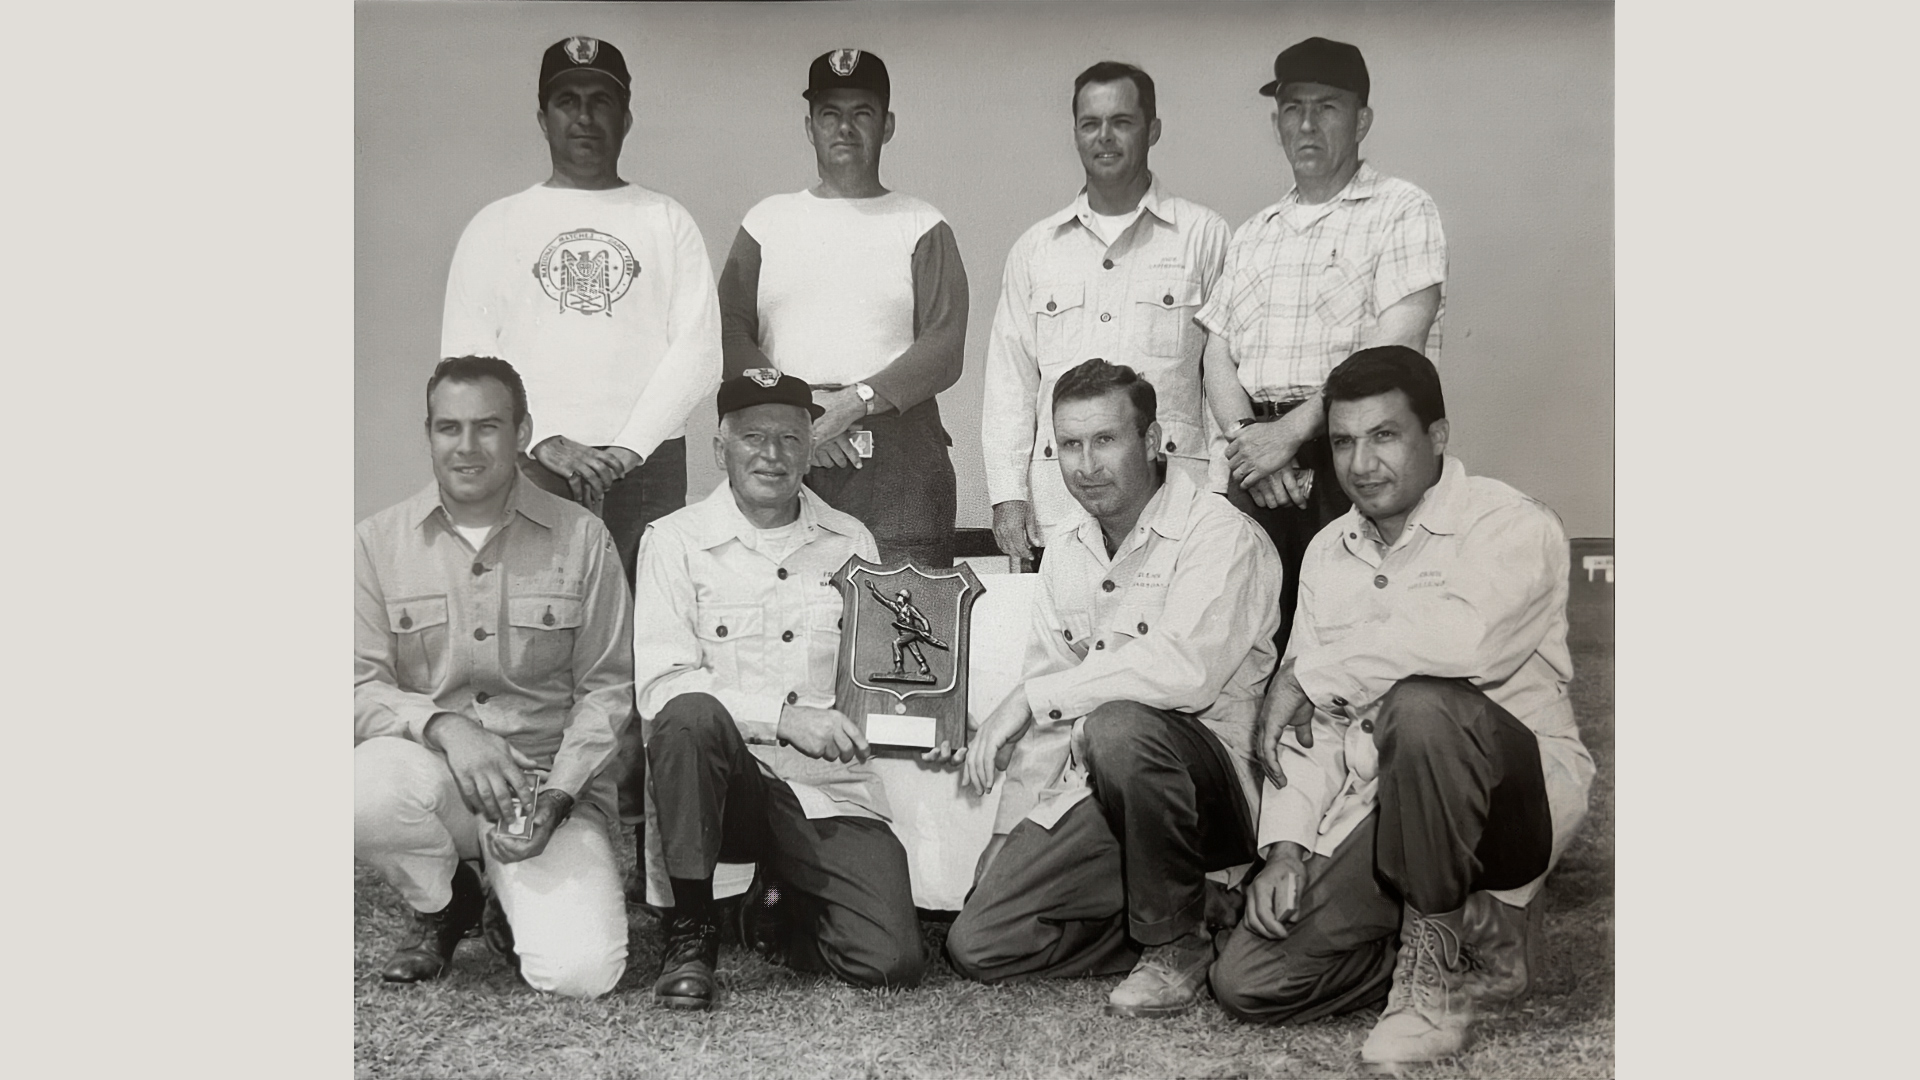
(903, 651)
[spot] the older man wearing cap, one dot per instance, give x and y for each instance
(1423, 768)
(750, 760)
(601, 293)
(1348, 258)
(860, 291)
(1118, 274)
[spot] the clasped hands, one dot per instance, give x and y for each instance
(1261, 457)
(832, 445)
(491, 772)
(588, 470)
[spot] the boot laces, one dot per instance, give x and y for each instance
(1417, 981)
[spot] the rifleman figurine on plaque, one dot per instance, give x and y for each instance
(903, 651)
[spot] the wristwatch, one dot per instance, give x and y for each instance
(866, 394)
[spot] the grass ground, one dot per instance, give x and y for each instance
(482, 1022)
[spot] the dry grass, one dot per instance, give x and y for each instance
(481, 1021)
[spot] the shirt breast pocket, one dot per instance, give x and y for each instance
(1134, 621)
(1076, 632)
(1341, 295)
(730, 640)
(1059, 330)
(541, 632)
(1164, 311)
(419, 626)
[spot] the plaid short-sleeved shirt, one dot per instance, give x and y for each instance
(1304, 285)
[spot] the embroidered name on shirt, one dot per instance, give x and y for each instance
(586, 271)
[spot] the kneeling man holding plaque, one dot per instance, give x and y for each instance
(1153, 637)
(735, 652)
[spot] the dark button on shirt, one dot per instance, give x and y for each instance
(1051, 306)
(1106, 264)
(1107, 585)
(1143, 628)
(781, 573)
(1170, 446)
(406, 622)
(478, 569)
(1099, 644)
(1106, 316)
(1048, 452)
(479, 634)
(792, 697)
(1380, 581)
(481, 697)
(1054, 715)
(1069, 634)
(720, 631)
(1366, 726)
(1167, 299)
(786, 635)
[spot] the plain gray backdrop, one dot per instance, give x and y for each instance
(1502, 111)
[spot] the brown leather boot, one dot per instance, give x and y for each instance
(1428, 1012)
(429, 954)
(1499, 949)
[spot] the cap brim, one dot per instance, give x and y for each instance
(817, 411)
(1271, 88)
(607, 75)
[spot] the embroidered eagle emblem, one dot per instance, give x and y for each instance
(765, 376)
(843, 61)
(582, 50)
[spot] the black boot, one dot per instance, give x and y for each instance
(691, 949)
(765, 913)
(497, 932)
(437, 933)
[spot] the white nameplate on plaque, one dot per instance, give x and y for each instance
(916, 731)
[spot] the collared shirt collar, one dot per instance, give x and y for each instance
(1166, 513)
(1365, 181)
(1155, 202)
(1442, 509)
(718, 518)
(523, 498)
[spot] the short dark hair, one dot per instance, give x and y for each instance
(1383, 369)
(1096, 378)
(1114, 71)
(466, 369)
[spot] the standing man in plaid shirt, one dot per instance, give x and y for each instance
(1348, 259)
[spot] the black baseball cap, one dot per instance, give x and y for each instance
(765, 386)
(850, 69)
(1317, 60)
(583, 54)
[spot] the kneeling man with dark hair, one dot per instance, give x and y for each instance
(1153, 637)
(1423, 767)
(491, 629)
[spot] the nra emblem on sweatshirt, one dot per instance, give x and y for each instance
(586, 271)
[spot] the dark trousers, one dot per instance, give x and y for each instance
(905, 493)
(645, 495)
(1463, 807)
(1291, 528)
(1119, 871)
(846, 876)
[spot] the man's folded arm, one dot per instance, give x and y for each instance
(739, 303)
(689, 371)
(934, 360)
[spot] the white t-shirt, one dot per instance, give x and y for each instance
(603, 301)
(836, 296)
(1108, 227)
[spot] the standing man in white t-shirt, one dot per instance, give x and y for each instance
(600, 293)
(1118, 274)
(859, 291)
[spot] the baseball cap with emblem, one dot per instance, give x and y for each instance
(583, 54)
(851, 69)
(765, 386)
(1317, 60)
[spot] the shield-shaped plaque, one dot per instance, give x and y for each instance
(903, 651)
